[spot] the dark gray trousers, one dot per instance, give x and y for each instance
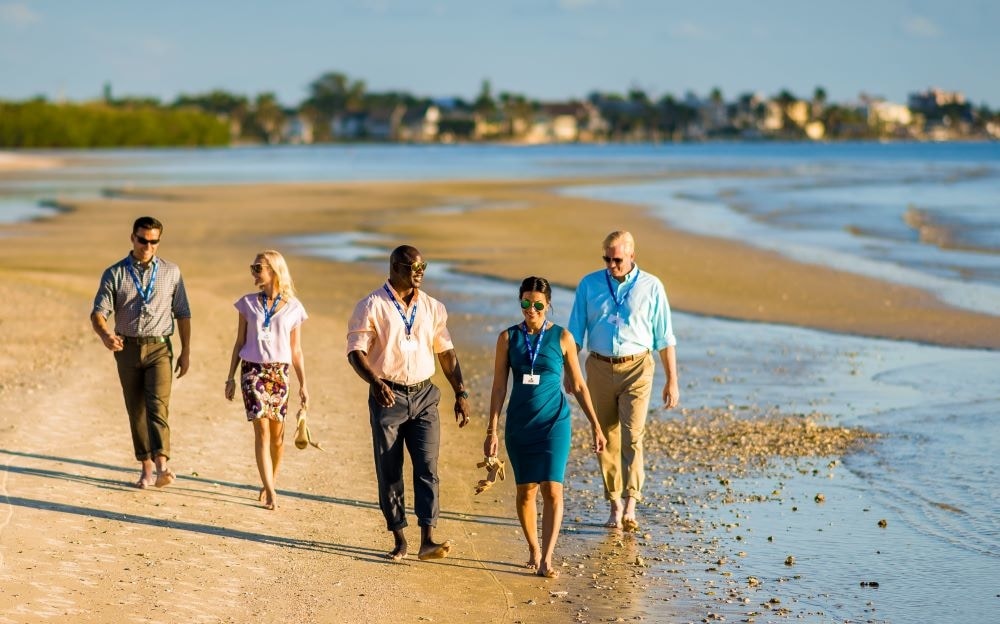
(413, 421)
(145, 372)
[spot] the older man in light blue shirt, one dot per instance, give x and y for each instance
(621, 314)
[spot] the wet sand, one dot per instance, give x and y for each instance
(77, 542)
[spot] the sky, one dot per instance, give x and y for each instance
(544, 49)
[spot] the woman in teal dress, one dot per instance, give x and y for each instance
(537, 431)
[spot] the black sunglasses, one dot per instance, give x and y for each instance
(608, 259)
(538, 305)
(146, 241)
(256, 267)
(415, 267)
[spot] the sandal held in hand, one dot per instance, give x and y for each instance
(302, 436)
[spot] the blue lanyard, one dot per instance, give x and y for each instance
(268, 313)
(413, 314)
(628, 291)
(147, 292)
(532, 349)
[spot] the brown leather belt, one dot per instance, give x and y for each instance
(145, 340)
(619, 359)
(398, 387)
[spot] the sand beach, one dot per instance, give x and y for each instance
(77, 543)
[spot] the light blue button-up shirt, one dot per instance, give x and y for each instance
(640, 302)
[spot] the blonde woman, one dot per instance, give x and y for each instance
(268, 341)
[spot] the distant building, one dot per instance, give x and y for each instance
(420, 123)
(566, 122)
(929, 101)
(798, 112)
(349, 126)
(881, 112)
(297, 129)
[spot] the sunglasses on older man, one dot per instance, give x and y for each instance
(538, 305)
(608, 259)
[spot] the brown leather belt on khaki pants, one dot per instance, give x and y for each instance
(145, 340)
(619, 359)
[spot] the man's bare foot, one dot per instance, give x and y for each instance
(629, 522)
(534, 558)
(615, 518)
(144, 481)
(165, 478)
(430, 550)
(399, 552)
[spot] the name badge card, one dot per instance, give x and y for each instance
(408, 345)
(265, 335)
(616, 320)
(530, 379)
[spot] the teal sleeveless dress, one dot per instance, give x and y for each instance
(537, 429)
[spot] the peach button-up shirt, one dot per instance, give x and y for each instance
(377, 328)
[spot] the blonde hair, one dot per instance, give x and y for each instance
(625, 238)
(279, 268)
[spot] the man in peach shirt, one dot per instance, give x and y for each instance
(392, 338)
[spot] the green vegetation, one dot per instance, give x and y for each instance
(340, 108)
(40, 124)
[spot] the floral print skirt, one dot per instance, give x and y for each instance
(265, 390)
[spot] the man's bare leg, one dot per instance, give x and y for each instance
(615, 518)
(629, 522)
(146, 477)
(164, 475)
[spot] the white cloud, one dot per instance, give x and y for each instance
(18, 14)
(920, 26)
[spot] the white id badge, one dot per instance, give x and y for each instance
(616, 320)
(265, 336)
(531, 380)
(407, 345)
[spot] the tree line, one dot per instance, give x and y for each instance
(220, 117)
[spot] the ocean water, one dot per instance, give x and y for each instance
(922, 214)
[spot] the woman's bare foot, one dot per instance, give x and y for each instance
(546, 570)
(534, 558)
(260, 495)
(615, 518)
(430, 550)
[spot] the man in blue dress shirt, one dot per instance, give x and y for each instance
(622, 314)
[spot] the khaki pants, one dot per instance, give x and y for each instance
(145, 372)
(620, 394)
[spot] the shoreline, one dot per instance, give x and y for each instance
(12, 162)
(207, 546)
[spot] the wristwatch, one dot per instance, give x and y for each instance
(464, 394)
